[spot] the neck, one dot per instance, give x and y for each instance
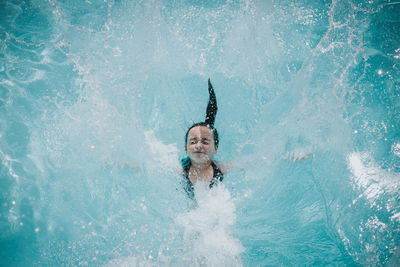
(201, 166)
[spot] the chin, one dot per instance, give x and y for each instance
(202, 159)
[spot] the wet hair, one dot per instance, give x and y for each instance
(211, 112)
(212, 105)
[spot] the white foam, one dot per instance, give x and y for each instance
(166, 156)
(372, 180)
(396, 149)
(367, 173)
(207, 237)
(207, 228)
(396, 217)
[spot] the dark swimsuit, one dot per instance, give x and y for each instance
(187, 184)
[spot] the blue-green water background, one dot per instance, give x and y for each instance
(87, 87)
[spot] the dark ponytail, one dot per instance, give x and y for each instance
(212, 105)
(211, 112)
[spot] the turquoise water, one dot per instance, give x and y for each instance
(95, 99)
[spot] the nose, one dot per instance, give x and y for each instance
(198, 145)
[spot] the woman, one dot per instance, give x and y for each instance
(201, 143)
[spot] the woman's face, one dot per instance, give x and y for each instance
(200, 144)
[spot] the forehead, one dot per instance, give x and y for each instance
(200, 132)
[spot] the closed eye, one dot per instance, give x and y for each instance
(205, 141)
(193, 141)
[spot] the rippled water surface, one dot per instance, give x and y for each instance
(95, 99)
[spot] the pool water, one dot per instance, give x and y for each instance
(96, 97)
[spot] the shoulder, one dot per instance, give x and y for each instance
(223, 167)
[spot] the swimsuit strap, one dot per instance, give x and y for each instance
(218, 176)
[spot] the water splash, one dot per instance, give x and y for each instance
(208, 228)
(95, 97)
